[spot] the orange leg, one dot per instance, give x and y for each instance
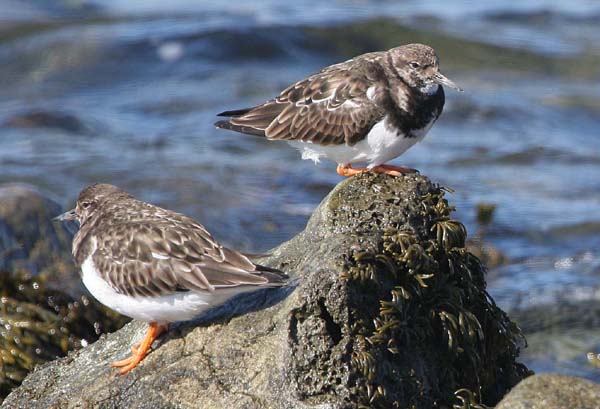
(135, 347)
(140, 349)
(348, 170)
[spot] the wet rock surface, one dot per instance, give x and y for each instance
(551, 391)
(385, 308)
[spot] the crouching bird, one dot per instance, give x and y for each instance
(153, 264)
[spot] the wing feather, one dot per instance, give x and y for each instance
(175, 255)
(330, 107)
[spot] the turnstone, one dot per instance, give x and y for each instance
(369, 109)
(153, 264)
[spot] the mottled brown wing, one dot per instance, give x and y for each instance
(160, 259)
(330, 107)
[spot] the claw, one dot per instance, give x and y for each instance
(140, 349)
(348, 170)
(393, 170)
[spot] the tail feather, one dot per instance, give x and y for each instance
(239, 128)
(276, 277)
(254, 120)
(235, 112)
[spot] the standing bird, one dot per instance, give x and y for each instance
(153, 264)
(369, 109)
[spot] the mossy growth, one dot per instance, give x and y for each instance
(38, 324)
(419, 289)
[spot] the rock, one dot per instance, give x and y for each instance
(563, 314)
(385, 308)
(551, 391)
(489, 255)
(60, 121)
(29, 242)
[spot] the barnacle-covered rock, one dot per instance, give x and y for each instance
(385, 309)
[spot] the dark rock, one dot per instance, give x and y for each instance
(478, 245)
(551, 391)
(385, 309)
(49, 119)
(30, 243)
(489, 255)
(564, 314)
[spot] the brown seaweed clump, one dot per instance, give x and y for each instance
(420, 290)
(38, 324)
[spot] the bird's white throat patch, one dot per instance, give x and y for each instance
(429, 89)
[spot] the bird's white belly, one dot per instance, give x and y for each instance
(180, 306)
(380, 146)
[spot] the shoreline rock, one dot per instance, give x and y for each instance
(553, 391)
(385, 307)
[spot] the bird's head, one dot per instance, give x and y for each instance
(90, 201)
(418, 66)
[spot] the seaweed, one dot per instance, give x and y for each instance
(430, 296)
(38, 324)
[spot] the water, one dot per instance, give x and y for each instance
(128, 92)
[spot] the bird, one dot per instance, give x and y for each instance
(153, 264)
(369, 109)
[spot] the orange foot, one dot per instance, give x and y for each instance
(140, 349)
(393, 170)
(348, 170)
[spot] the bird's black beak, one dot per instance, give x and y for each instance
(441, 79)
(70, 215)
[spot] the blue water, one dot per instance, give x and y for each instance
(140, 82)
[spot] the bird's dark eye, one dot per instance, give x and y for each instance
(85, 205)
(414, 64)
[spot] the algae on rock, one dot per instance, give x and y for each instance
(385, 309)
(38, 324)
(427, 295)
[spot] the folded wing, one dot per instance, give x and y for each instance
(334, 106)
(165, 258)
